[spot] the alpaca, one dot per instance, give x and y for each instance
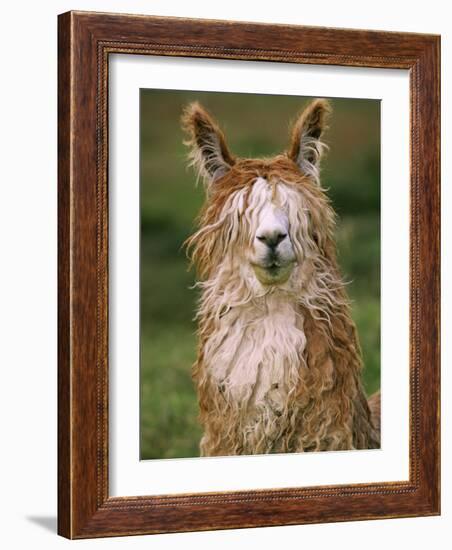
(279, 363)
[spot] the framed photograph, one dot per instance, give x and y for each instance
(248, 275)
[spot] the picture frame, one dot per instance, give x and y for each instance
(85, 42)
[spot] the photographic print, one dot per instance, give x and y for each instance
(260, 274)
(248, 228)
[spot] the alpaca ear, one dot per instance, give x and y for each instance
(306, 147)
(208, 150)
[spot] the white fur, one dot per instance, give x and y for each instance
(309, 155)
(255, 352)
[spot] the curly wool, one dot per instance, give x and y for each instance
(278, 369)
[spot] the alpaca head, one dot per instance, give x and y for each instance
(266, 220)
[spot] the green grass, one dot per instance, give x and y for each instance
(255, 126)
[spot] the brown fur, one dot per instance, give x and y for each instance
(326, 409)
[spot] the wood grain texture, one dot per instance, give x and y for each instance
(85, 42)
(64, 295)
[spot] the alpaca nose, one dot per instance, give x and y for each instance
(272, 238)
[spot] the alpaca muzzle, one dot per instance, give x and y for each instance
(273, 272)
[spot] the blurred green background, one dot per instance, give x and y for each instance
(255, 125)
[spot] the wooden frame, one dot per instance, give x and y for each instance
(85, 42)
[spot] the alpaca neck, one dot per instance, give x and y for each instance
(255, 351)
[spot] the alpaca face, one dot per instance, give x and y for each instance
(256, 217)
(272, 256)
